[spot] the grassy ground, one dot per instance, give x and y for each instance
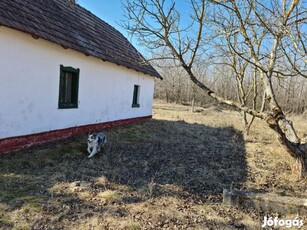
(167, 173)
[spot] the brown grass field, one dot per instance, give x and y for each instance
(167, 173)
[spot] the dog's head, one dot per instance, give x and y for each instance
(91, 137)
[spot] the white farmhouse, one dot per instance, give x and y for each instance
(64, 71)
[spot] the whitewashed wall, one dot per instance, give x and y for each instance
(29, 87)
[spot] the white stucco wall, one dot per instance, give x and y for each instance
(29, 87)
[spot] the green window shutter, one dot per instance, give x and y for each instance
(135, 99)
(75, 87)
(69, 87)
(62, 87)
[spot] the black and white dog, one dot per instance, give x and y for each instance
(95, 142)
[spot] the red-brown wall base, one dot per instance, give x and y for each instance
(12, 144)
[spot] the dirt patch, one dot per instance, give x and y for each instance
(167, 173)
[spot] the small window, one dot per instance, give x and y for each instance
(69, 87)
(136, 93)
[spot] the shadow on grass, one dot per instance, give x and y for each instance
(200, 159)
(150, 159)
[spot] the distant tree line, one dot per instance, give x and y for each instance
(176, 87)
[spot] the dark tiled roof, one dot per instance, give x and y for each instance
(73, 27)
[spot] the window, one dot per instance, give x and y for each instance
(69, 87)
(136, 93)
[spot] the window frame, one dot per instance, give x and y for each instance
(136, 96)
(74, 88)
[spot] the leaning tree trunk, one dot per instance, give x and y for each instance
(283, 127)
(288, 138)
(274, 117)
(276, 120)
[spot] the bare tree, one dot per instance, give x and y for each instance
(171, 87)
(255, 33)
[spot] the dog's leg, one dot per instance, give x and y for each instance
(104, 141)
(98, 146)
(100, 141)
(93, 152)
(89, 150)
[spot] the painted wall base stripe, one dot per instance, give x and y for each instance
(12, 144)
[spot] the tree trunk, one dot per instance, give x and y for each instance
(292, 144)
(299, 167)
(167, 95)
(193, 103)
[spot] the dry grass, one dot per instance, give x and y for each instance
(167, 173)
